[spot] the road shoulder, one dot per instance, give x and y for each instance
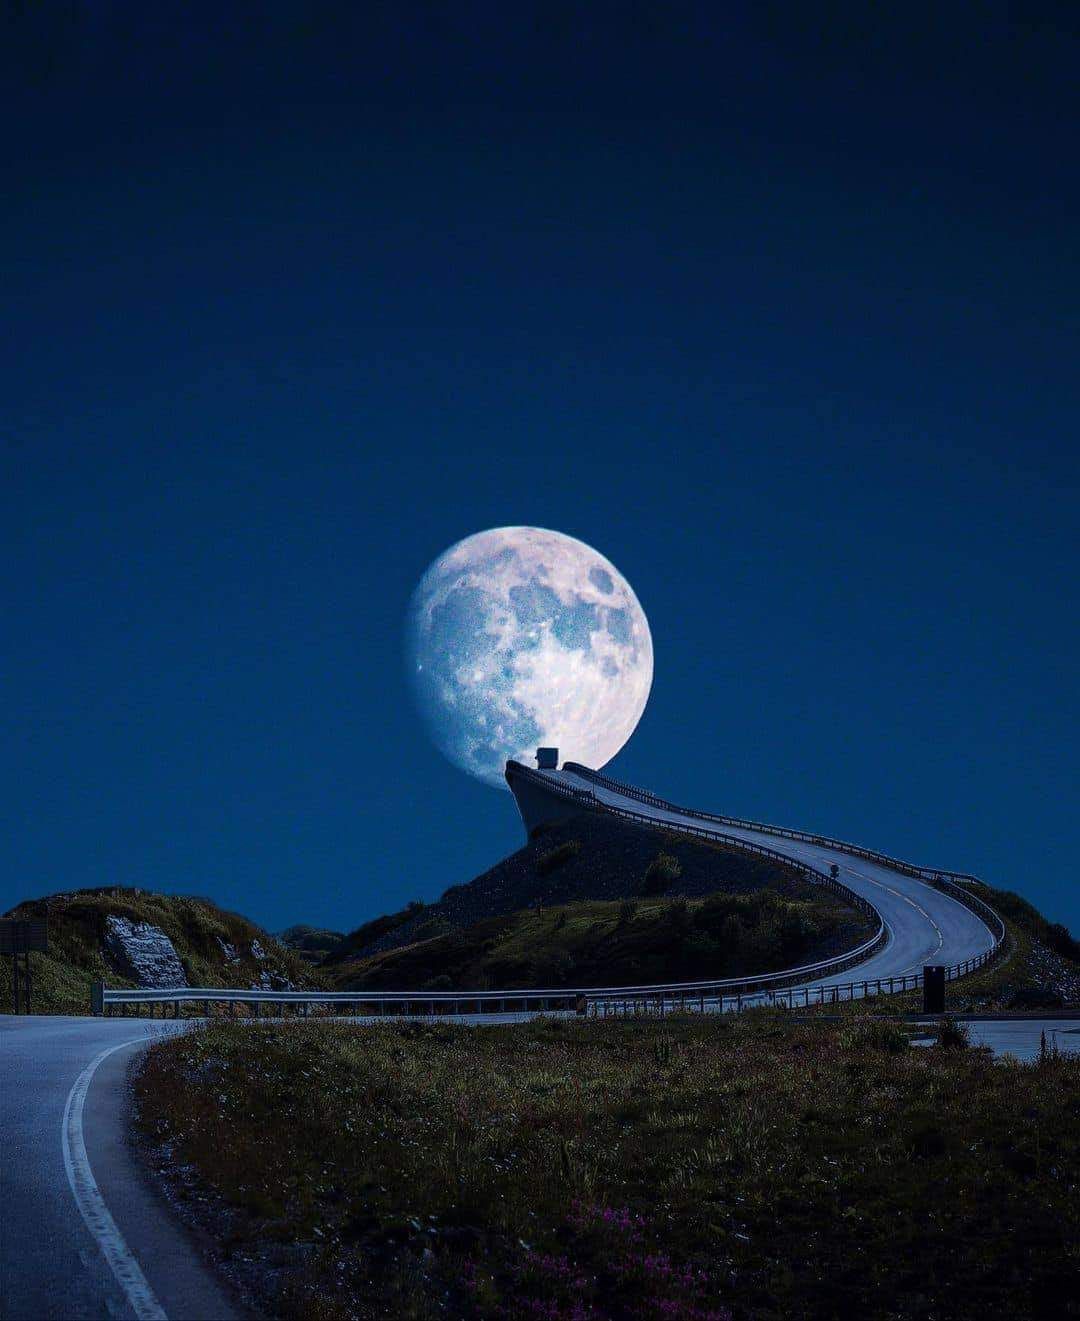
(170, 1254)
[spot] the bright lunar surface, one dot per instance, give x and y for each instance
(522, 638)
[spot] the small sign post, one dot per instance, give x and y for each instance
(20, 937)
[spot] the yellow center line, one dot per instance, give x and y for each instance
(907, 900)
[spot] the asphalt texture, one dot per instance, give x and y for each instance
(52, 1268)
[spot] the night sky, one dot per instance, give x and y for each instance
(775, 305)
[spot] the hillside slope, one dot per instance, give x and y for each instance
(94, 935)
(586, 859)
(619, 943)
(312, 944)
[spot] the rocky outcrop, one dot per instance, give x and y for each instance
(228, 951)
(144, 953)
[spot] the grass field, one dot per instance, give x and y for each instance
(692, 1168)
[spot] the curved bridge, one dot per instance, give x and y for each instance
(928, 915)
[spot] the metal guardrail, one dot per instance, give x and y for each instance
(762, 827)
(398, 1004)
(955, 884)
(779, 989)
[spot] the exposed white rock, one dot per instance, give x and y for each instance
(257, 951)
(272, 981)
(228, 950)
(144, 953)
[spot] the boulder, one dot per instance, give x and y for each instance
(144, 953)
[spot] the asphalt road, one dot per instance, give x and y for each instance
(119, 1253)
(924, 925)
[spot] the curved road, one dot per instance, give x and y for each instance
(67, 1256)
(923, 924)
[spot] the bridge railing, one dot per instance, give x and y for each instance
(955, 884)
(763, 827)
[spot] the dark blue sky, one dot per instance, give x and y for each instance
(778, 312)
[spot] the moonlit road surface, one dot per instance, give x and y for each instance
(84, 1235)
(923, 924)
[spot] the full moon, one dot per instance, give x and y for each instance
(519, 638)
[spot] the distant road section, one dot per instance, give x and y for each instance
(923, 924)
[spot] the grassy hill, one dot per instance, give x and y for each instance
(587, 859)
(215, 947)
(312, 944)
(618, 943)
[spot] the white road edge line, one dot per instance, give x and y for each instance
(91, 1204)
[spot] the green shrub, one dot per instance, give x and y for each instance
(627, 912)
(952, 1035)
(661, 873)
(873, 1034)
(732, 933)
(678, 914)
(700, 949)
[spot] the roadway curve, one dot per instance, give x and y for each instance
(923, 924)
(84, 1233)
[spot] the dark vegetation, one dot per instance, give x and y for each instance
(197, 927)
(619, 943)
(687, 1169)
(313, 944)
(375, 931)
(1027, 917)
(591, 857)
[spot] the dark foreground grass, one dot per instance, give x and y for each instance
(694, 1168)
